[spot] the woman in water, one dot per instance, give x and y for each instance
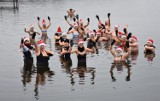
(119, 54)
(44, 28)
(42, 54)
(134, 44)
(81, 52)
(57, 35)
(27, 48)
(30, 32)
(149, 47)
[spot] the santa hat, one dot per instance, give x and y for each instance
(80, 41)
(59, 30)
(25, 39)
(150, 40)
(120, 33)
(134, 38)
(80, 21)
(98, 33)
(43, 22)
(91, 33)
(41, 42)
(119, 49)
(75, 24)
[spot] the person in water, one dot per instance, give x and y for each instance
(65, 54)
(27, 48)
(57, 35)
(92, 42)
(149, 47)
(62, 39)
(133, 44)
(44, 28)
(107, 27)
(119, 54)
(30, 32)
(75, 34)
(66, 50)
(71, 13)
(81, 52)
(42, 54)
(78, 26)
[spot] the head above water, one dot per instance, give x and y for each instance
(116, 27)
(26, 40)
(41, 44)
(80, 43)
(119, 52)
(31, 28)
(150, 42)
(44, 23)
(133, 39)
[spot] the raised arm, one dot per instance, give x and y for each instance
(35, 44)
(25, 30)
(125, 56)
(39, 23)
(49, 22)
(65, 17)
(88, 21)
(111, 50)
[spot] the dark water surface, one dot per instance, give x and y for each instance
(140, 82)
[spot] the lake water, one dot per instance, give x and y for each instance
(97, 83)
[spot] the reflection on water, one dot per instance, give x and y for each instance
(133, 58)
(120, 67)
(27, 72)
(149, 56)
(81, 71)
(42, 74)
(12, 23)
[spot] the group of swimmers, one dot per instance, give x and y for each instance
(120, 43)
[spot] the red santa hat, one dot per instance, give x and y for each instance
(25, 39)
(119, 49)
(150, 40)
(80, 41)
(134, 38)
(80, 21)
(98, 33)
(43, 22)
(41, 43)
(59, 30)
(91, 33)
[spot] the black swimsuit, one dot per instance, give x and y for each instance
(67, 55)
(91, 43)
(81, 58)
(42, 61)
